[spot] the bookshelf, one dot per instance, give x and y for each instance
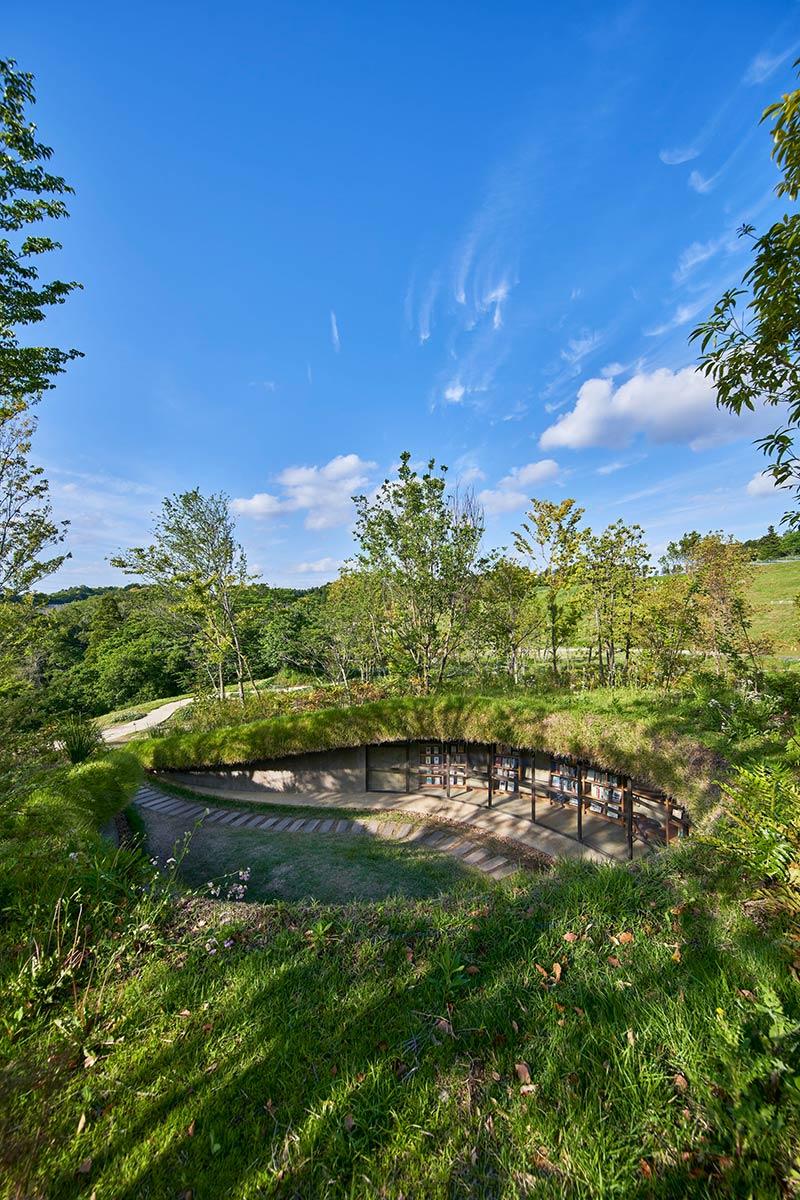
(504, 770)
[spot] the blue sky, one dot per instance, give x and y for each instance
(312, 236)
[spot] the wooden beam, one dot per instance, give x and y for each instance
(627, 798)
(580, 802)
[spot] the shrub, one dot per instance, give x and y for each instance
(79, 737)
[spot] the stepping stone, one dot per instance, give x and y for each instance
(241, 819)
(215, 815)
(494, 863)
(282, 825)
(372, 826)
(433, 839)
(229, 818)
(326, 827)
(360, 827)
(343, 826)
(502, 872)
(401, 831)
(385, 829)
(310, 826)
(296, 826)
(463, 850)
(450, 843)
(252, 823)
(476, 857)
(267, 822)
(177, 809)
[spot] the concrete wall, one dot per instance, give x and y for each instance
(325, 771)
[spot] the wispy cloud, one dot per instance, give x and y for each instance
(318, 566)
(335, 339)
(454, 392)
(765, 64)
(699, 183)
(674, 158)
(683, 314)
(578, 348)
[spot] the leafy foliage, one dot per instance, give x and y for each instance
(80, 737)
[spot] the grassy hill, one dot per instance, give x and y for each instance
(772, 594)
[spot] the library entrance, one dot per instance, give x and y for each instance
(606, 811)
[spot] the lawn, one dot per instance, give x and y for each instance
(775, 615)
(330, 869)
(596, 1032)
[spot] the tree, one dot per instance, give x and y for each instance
(752, 355)
(614, 567)
(667, 625)
(722, 572)
(508, 618)
(350, 628)
(29, 195)
(422, 543)
(26, 524)
(200, 572)
(550, 539)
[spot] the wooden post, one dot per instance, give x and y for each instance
(580, 803)
(447, 769)
(408, 766)
(627, 796)
(667, 816)
(532, 761)
(490, 773)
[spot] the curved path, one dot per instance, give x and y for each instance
(445, 841)
(157, 716)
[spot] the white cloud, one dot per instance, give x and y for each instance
(323, 493)
(765, 64)
(471, 474)
(454, 392)
(610, 468)
(269, 385)
(682, 315)
(578, 348)
(663, 406)
(762, 484)
(700, 184)
(674, 158)
(611, 370)
(694, 256)
(319, 566)
(509, 493)
(335, 339)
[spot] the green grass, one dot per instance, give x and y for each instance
(636, 733)
(775, 615)
(328, 868)
(371, 1051)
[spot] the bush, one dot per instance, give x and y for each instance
(79, 737)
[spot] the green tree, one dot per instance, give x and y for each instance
(29, 196)
(722, 572)
(613, 569)
(422, 543)
(200, 572)
(750, 344)
(350, 632)
(667, 626)
(550, 539)
(508, 618)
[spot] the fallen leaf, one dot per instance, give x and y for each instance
(557, 972)
(334, 1070)
(349, 1123)
(676, 957)
(81, 1125)
(580, 1012)
(184, 1013)
(85, 1167)
(541, 970)
(681, 1082)
(631, 1036)
(191, 1128)
(523, 1072)
(570, 937)
(444, 1026)
(746, 994)
(645, 1168)
(89, 1061)
(528, 1089)
(625, 938)
(383, 1047)
(471, 970)
(614, 961)
(207, 1027)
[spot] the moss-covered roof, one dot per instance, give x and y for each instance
(671, 763)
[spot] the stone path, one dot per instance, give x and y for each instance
(157, 716)
(445, 841)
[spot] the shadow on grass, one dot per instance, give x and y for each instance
(372, 1052)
